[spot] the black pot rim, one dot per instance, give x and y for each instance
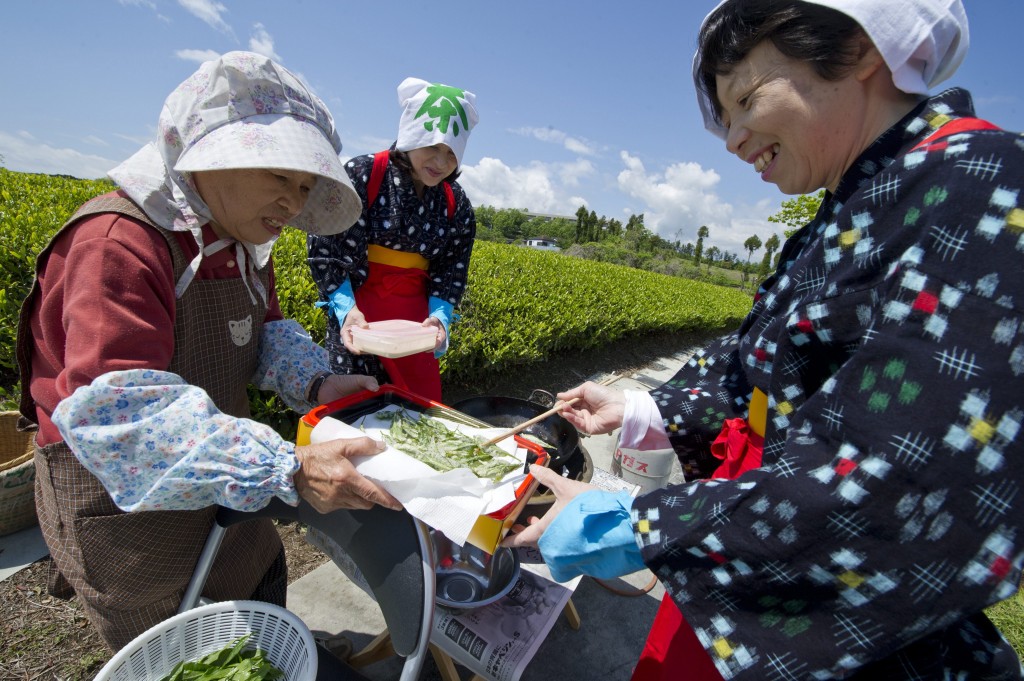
(556, 423)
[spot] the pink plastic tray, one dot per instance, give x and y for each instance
(394, 338)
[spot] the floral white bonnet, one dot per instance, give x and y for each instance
(241, 110)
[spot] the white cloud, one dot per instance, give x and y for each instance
(95, 141)
(198, 56)
(148, 4)
(571, 173)
(262, 43)
(558, 137)
(492, 183)
(23, 153)
(674, 203)
(679, 202)
(209, 12)
(136, 139)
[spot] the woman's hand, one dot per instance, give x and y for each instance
(442, 335)
(328, 480)
(337, 386)
(564, 490)
(354, 317)
(599, 410)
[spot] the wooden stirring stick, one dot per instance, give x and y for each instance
(526, 424)
(558, 405)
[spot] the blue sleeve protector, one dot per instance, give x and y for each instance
(593, 535)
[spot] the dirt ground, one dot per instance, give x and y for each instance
(44, 638)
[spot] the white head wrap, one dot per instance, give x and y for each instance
(239, 111)
(433, 113)
(922, 42)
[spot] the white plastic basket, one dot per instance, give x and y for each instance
(286, 640)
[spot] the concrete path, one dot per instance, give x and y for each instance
(613, 629)
(20, 549)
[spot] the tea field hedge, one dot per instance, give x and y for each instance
(522, 305)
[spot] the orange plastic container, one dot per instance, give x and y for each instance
(489, 529)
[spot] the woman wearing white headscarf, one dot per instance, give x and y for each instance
(153, 308)
(854, 452)
(407, 257)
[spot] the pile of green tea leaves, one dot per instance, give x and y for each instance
(443, 449)
(231, 663)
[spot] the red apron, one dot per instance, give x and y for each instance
(396, 288)
(673, 651)
(392, 292)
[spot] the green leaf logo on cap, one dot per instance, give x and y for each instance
(441, 105)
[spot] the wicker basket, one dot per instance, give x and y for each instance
(17, 476)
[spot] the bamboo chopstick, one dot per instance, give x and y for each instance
(540, 417)
(526, 424)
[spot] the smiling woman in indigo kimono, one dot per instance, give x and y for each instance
(853, 451)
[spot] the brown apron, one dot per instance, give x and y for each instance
(130, 570)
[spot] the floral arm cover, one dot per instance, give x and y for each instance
(159, 443)
(289, 361)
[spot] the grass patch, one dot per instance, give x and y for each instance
(1008, 616)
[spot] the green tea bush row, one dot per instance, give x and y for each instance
(521, 306)
(32, 208)
(524, 305)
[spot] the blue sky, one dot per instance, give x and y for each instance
(581, 102)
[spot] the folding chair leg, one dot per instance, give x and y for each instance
(204, 564)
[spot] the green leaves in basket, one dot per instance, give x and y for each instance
(231, 663)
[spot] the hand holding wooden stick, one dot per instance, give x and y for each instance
(553, 410)
(526, 424)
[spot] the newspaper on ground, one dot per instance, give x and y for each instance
(498, 641)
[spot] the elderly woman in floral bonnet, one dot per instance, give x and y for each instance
(153, 308)
(853, 452)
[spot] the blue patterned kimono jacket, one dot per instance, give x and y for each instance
(889, 509)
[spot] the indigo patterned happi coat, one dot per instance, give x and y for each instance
(889, 508)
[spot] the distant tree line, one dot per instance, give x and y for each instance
(607, 240)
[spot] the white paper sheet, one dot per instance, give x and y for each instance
(450, 502)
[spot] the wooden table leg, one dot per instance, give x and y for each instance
(572, 615)
(445, 664)
(376, 650)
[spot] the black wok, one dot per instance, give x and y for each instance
(508, 412)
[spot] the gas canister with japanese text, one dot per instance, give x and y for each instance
(650, 469)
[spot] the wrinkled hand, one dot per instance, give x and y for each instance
(328, 480)
(354, 317)
(441, 334)
(599, 410)
(337, 386)
(564, 489)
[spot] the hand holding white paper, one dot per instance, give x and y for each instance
(449, 502)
